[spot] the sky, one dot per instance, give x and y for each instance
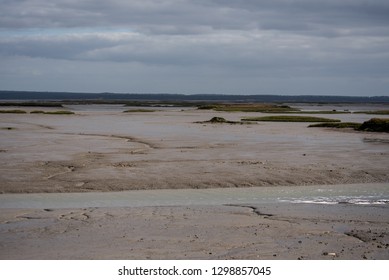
(283, 47)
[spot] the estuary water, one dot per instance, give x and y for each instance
(370, 194)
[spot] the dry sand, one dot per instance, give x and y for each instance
(114, 151)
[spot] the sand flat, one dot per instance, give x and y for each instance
(266, 231)
(114, 151)
(70, 160)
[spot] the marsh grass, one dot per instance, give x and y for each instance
(59, 113)
(12, 112)
(32, 104)
(289, 119)
(52, 112)
(379, 112)
(146, 103)
(375, 125)
(139, 111)
(372, 125)
(216, 120)
(322, 112)
(260, 108)
(337, 125)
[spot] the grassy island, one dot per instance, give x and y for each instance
(250, 107)
(216, 120)
(289, 119)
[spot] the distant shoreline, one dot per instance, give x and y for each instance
(169, 97)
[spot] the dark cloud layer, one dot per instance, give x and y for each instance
(334, 47)
(299, 15)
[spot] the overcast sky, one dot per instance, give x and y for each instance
(331, 47)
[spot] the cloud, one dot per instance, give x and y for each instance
(242, 41)
(241, 50)
(227, 49)
(175, 15)
(308, 14)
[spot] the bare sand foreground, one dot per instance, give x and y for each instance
(266, 231)
(114, 151)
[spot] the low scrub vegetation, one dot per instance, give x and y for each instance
(139, 111)
(375, 125)
(289, 119)
(59, 113)
(32, 104)
(12, 112)
(337, 125)
(257, 107)
(323, 112)
(372, 125)
(52, 112)
(379, 112)
(216, 120)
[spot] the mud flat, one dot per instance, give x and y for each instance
(235, 231)
(109, 150)
(333, 203)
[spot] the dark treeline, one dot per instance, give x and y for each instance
(165, 97)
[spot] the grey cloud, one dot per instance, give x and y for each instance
(314, 17)
(261, 52)
(67, 46)
(238, 40)
(180, 16)
(223, 48)
(64, 13)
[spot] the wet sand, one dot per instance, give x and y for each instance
(265, 231)
(95, 151)
(115, 151)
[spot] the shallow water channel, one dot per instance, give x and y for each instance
(324, 194)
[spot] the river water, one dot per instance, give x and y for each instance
(371, 194)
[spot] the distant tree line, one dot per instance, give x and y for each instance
(166, 97)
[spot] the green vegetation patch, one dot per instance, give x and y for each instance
(323, 112)
(251, 107)
(59, 113)
(375, 125)
(337, 125)
(289, 119)
(32, 104)
(52, 112)
(139, 111)
(12, 112)
(216, 120)
(379, 112)
(160, 104)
